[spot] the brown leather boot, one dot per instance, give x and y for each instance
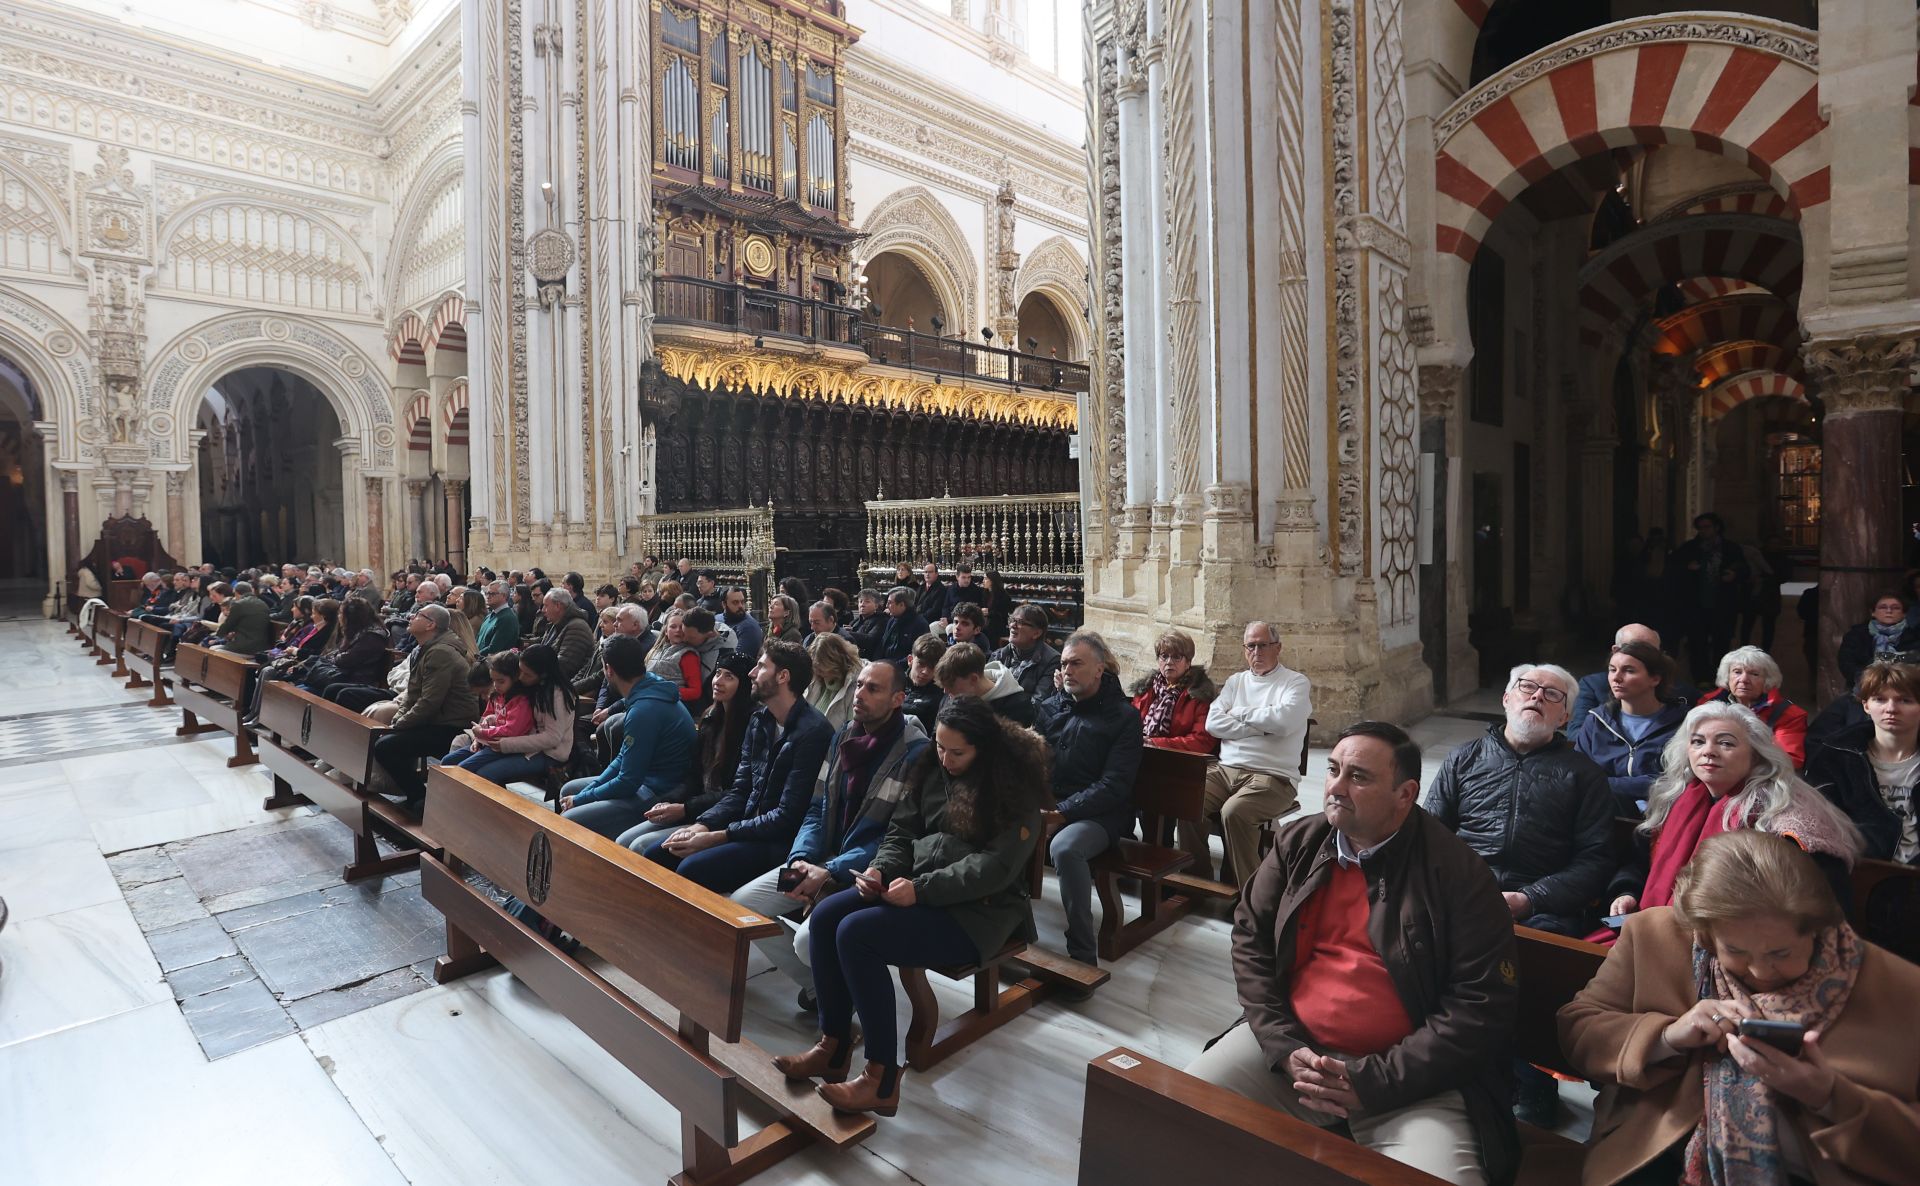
(877, 1090)
(828, 1061)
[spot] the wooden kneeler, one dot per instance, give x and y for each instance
(677, 1028)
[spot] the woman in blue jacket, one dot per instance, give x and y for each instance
(1625, 736)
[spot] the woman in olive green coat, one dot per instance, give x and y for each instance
(947, 886)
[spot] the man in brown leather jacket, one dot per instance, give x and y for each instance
(1375, 963)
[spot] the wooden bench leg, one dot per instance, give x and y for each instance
(161, 697)
(120, 664)
(367, 861)
(134, 678)
(464, 957)
(283, 796)
(193, 726)
(925, 1020)
(1106, 887)
(243, 754)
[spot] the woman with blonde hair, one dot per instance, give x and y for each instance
(1689, 1094)
(1722, 772)
(470, 609)
(831, 693)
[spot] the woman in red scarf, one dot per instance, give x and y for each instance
(1724, 771)
(1173, 701)
(1754, 932)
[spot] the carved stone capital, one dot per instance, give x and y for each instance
(1858, 375)
(1229, 500)
(1440, 388)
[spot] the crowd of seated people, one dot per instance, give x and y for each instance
(880, 771)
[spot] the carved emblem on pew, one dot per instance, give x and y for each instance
(539, 868)
(306, 725)
(203, 668)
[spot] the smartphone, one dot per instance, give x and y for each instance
(1784, 1036)
(1616, 921)
(872, 885)
(789, 880)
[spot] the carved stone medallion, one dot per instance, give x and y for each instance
(549, 255)
(757, 254)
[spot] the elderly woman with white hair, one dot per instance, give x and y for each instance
(1723, 771)
(1749, 677)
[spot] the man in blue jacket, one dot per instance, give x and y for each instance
(1095, 736)
(655, 753)
(865, 777)
(752, 829)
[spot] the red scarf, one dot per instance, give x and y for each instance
(1691, 820)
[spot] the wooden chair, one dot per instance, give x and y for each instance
(929, 1042)
(678, 1029)
(1171, 786)
(1145, 1124)
(217, 686)
(295, 728)
(147, 644)
(1886, 906)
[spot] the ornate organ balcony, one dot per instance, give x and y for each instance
(739, 309)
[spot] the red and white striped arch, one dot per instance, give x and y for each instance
(1724, 361)
(1707, 288)
(1733, 392)
(1655, 81)
(448, 329)
(419, 422)
(1751, 316)
(1618, 282)
(456, 413)
(1751, 201)
(408, 343)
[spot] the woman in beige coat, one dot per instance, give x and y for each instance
(1753, 932)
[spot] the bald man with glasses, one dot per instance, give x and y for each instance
(1260, 718)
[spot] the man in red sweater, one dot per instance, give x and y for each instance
(1374, 958)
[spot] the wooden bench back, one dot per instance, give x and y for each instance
(684, 943)
(1552, 968)
(147, 640)
(341, 738)
(1146, 1124)
(1171, 785)
(220, 672)
(1886, 906)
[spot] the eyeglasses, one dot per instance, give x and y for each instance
(1527, 687)
(1260, 646)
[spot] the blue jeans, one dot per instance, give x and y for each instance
(855, 942)
(498, 768)
(610, 817)
(1072, 848)
(644, 837)
(726, 866)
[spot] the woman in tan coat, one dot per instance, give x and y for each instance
(1753, 932)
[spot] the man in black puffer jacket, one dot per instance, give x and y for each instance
(1535, 808)
(1095, 736)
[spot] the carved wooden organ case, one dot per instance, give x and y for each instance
(750, 133)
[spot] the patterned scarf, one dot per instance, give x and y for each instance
(1886, 639)
(1738, 1141)
(1159, 720)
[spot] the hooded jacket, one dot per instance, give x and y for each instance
(1630, 766)
(656, 750)
(1844, 774)
(1007, 697)
(1437, 920)
(981, 884)
(845, 851)
(1187, 730)
(1543, 822)
(1096, 754)
(776, 777)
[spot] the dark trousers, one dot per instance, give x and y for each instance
(855, 945)
(1709, 637)
(725, 867)
(359, 697)
(400, 751)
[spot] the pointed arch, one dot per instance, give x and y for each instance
(911, 222)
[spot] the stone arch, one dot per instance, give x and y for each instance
(43, 211)
(1727, 359)
(1057, 271)
(1618, 281)
(443, 170)
(1724, 397)
(913, 223)
(53, 356)
(354, 264)
(187, 366)
(446, 340)
(1744, 87)
(1757, 316)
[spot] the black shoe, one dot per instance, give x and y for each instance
(809, 1001)
(414, 805)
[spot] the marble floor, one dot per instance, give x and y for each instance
(102, 1078)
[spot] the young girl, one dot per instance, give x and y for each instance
(545, 741)
(508, 712)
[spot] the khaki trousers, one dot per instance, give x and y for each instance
(1434, 1135)
(1245, 798)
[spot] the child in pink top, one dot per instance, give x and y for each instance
(509, 713)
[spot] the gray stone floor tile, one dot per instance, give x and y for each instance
(323, 1007)
(350, 937)
(211, 976)
(190, 943)
(229, 1020)
(142, 866)
(164, 904)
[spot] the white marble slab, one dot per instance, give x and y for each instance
(232, 800)
(50, 815)
(136, 1102)
(51, 878)
(162, 786)
(72, 968)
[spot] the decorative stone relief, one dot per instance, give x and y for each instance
(1397, 414)
(913, 216)
(1349, 478)
(1859, 375)
(1183, 229)
(1106, 442)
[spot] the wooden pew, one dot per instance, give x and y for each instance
(1886, 906)
(1145, 1123)
(295, 728)
(929, 1042)
(1170, 787)
(214, 689)
(148, 643)
(1188, 775)
(685, 948)
(109, 637)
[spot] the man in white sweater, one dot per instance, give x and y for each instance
(1260, 718)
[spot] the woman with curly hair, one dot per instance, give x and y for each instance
(947, 886)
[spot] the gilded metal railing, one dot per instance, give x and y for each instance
(1035, 535)
(738, 545)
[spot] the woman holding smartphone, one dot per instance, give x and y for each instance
(947, 886)
(1746, 1035)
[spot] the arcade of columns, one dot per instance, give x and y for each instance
(1279, 410)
